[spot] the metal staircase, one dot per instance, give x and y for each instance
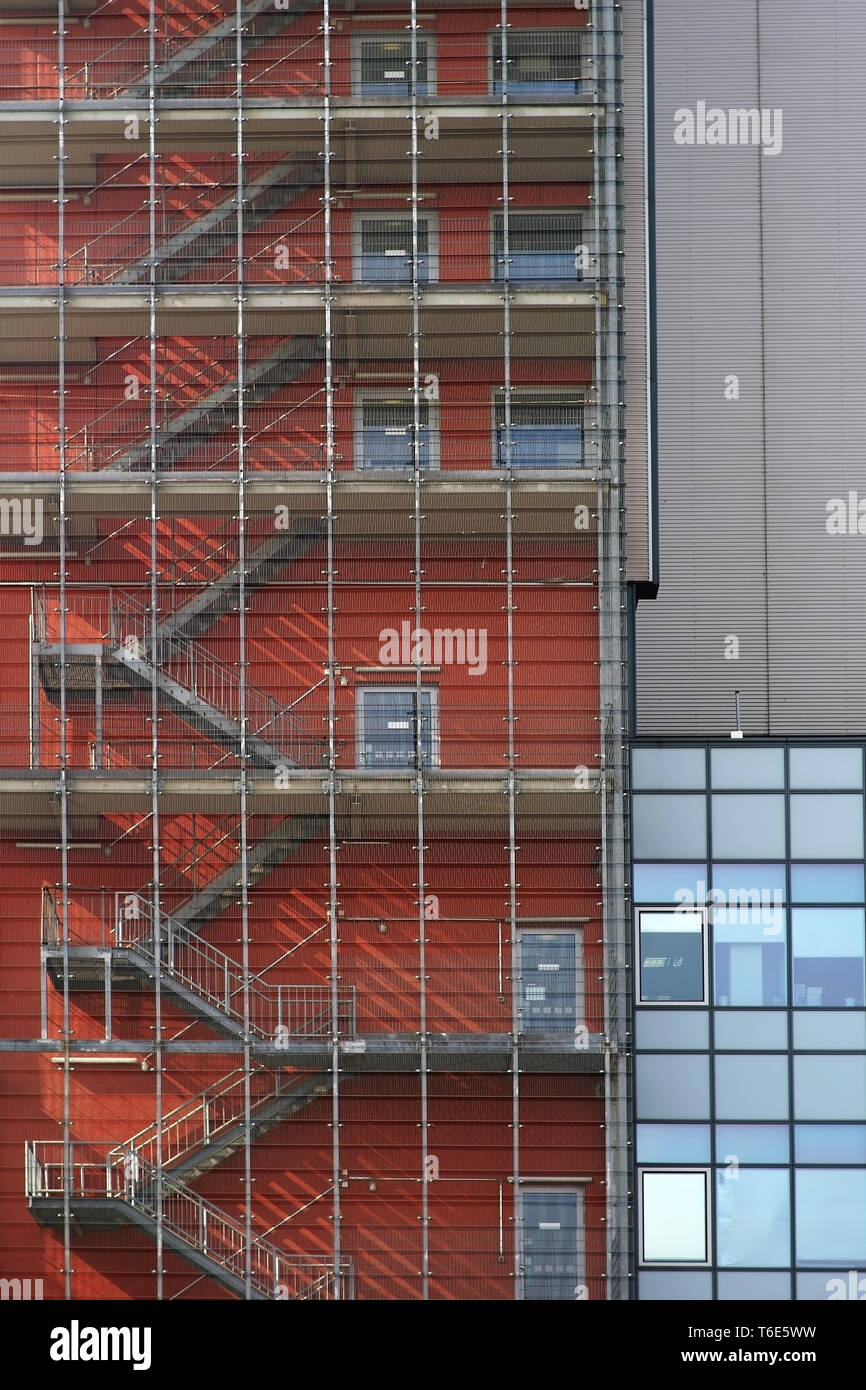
(108, 1186)
(198, 239)
(182, 432)
(189, 57)
(261, 568)
(206, 694)
(208, 1128)
(225, 888)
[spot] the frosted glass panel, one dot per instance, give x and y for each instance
(751, 1088)
(674, 1218)
(826, 827)
(832, 1087)
(753, 1217)
(661, 769)
(672, 1087)
(831, 1216)
(748, 827)
(743, 769)
(825, 767)
(669, 827)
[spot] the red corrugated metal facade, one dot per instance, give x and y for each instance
(302, 741)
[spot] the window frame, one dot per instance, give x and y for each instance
(362, 36)
(389, 687)
(529, 1188)
(666, 909)
(495, 54)
(576, 929)
(362, 397)
(514, 213)
(580, 396)
(677, 1170)
(430, 216)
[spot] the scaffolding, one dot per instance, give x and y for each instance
(330, 312)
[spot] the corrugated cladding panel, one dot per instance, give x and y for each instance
(711, 483)
(634, 195)
(815, 308)
(759, 273)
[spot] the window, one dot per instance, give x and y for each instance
(826, 827)
(672, 956)
(749, 955)
(828, 949)
(553, 1245)
(674, 1216)
(546, 432)
(753, 1217)
(550, 978)
(661, 883)
(383, 66)
(384, 433)
(541, 246)
(831, 1216)
(387, 723)
(383, 249)
(540, 64)
(748, 827)
(669, 827)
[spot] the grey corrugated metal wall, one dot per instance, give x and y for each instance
(760, 274)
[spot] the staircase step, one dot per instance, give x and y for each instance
(263, 856)
(269, 193)
(198, 713)
(178, 437)
(266, 24)
(261, 568)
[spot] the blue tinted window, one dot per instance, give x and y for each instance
(830, 1143)
(827, 883)
(750, 879)
(752, 1143)
(826, 827)
(831, 1216)
(753, 1217)
(750, 957)
(659, 883)
(828, 947)
(673, 1143)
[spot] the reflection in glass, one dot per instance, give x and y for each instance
(828, 950)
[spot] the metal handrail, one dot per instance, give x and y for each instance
(97, 1172)
(277, 1013)
(211, 680)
